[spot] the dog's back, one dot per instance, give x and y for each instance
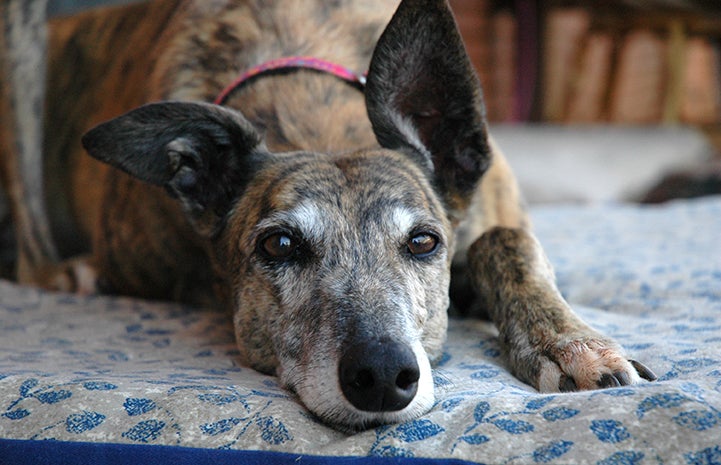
(98, 67)
(107, 61)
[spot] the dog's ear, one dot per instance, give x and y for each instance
(202, 154)
(424, 99)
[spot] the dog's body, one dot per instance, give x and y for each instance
(323, 244)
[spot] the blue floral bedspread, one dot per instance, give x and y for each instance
(117, 370)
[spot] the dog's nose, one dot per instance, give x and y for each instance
(379, 375)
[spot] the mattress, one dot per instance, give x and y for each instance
(115, 380)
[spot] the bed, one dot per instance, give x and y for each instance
(117, 380)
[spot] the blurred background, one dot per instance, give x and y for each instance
(631, 87)
(563, 61)
(625, 62)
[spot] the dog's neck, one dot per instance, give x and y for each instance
(287, 64)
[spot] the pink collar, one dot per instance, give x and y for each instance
(290, 63)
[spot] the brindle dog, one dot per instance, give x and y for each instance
(327, 220)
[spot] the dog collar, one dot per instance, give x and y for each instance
(288, 64)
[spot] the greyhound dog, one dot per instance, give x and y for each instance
(336, 214)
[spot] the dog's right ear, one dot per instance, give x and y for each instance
(424, 99)
(202, 154)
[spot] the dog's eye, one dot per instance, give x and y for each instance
(279, 245)
(422, 245)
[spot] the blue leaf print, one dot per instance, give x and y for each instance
(53, 397)
(116, 356)
(559, 413)
(439, 380)
(551, 451)
(668, 376)
(664, 400)
(618, 392)
(391, 451)
(165, 342)
(539, 403)
(273, 431)
(135, 406)
(474, 439)
(99, 386)
(692, 388)
(513, 426)
(134, 328)
(610, 431)
(696, 420)
(16, 414)
(271, 384)
(213, 429)
(82, 422)
(480, 411)
(708, 456)
(57, 341)
(628, 457)
(382, 430)
(492, 352)
(278, 395)
(638, 347)
(418, 430)
(145, 431)
(27, 386)
(485, 373)
(218, 399)
(449, 404)
(693, 364)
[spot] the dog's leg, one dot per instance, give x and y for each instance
(498, 200)
(22, 65)
(548, 346)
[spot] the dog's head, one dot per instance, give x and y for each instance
(339, 264)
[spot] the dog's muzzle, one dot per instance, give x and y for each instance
(379, 375)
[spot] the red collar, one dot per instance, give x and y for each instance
(290, 63)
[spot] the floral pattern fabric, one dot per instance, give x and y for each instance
(118, 370)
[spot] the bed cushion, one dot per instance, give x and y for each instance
(94, 371)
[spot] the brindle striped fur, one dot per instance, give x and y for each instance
(298, 204)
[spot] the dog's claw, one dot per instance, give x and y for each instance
(567, 384)
(643, 371)
(622, 378)
(608, 381)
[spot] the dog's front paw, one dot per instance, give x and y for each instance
(584, 363)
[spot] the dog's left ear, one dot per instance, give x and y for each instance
(204, 155)
(424, 99)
